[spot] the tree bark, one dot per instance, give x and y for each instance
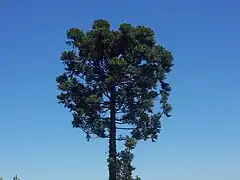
(112, 139)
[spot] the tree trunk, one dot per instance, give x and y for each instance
(112, 138)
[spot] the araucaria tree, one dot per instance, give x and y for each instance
(112, 80)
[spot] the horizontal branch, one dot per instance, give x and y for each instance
(121, 139)
(119, 122)
(125, 128)
(118, 138)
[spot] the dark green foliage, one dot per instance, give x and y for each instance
(127, 58)
(124, 161)
(112, 79)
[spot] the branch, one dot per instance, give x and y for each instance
(80, 76)
(105, 92)
(161, 114)
(125, 128)
(118, 138)
(121, 139)
(104, 118)
(119, 122)
(105, 112)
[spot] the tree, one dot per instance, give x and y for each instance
(110, 83)
(124, 160)
(16, 177)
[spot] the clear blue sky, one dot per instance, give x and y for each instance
(201, 140)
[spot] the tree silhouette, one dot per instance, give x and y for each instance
(110, 83)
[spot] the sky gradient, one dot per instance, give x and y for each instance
(200, 142)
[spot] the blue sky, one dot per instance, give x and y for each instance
(201, 140)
